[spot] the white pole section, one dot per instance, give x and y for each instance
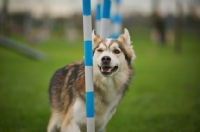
(88, 55)
(98, 17)
(105, 20)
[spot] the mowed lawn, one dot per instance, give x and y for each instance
(164, 95)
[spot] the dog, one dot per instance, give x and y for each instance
(112, 73)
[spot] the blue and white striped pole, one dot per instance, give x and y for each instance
(88, 55)
(98, 17)
(105, 19)
(116, 21)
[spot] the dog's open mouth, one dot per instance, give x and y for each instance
(107, 70)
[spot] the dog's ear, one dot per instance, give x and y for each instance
(95, 39)
(125, 40)
(125, 37)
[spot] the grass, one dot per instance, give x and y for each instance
(163, 96)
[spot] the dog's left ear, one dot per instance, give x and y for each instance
(125, 37)
(95, 39)
(126, 41)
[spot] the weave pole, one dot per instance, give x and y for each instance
(88, 55)
(105, 19)
(116, 21)
(98, 17)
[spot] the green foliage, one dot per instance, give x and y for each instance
(163, 95)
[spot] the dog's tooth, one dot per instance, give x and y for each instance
(102, 69)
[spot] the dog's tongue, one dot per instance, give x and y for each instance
(106, 69)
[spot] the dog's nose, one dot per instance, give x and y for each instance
(106, 59)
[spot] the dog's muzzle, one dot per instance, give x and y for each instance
(105, 68)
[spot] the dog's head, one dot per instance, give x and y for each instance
(112, 55)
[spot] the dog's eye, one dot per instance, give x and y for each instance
(99, 50)
(116, 51)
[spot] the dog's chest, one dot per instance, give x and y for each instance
(105, 106)
(105, 110)
(106, 103)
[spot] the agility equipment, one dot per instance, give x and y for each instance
(87, 31)
(116, 21)
(110, 26)
(22, 49)
(105, 19)
(98, 17)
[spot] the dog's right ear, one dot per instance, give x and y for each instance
(125, 37)
(95, 39)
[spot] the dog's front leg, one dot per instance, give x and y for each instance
(72, 127)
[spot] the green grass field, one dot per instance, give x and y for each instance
(164, 96)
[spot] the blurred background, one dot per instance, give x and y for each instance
(39, 36)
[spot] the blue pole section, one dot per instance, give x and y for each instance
(105, 19)
(88, 55)
(98, 17)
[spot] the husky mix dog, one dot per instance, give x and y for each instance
(112, 72)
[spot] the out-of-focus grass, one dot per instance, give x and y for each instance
(163, 96)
